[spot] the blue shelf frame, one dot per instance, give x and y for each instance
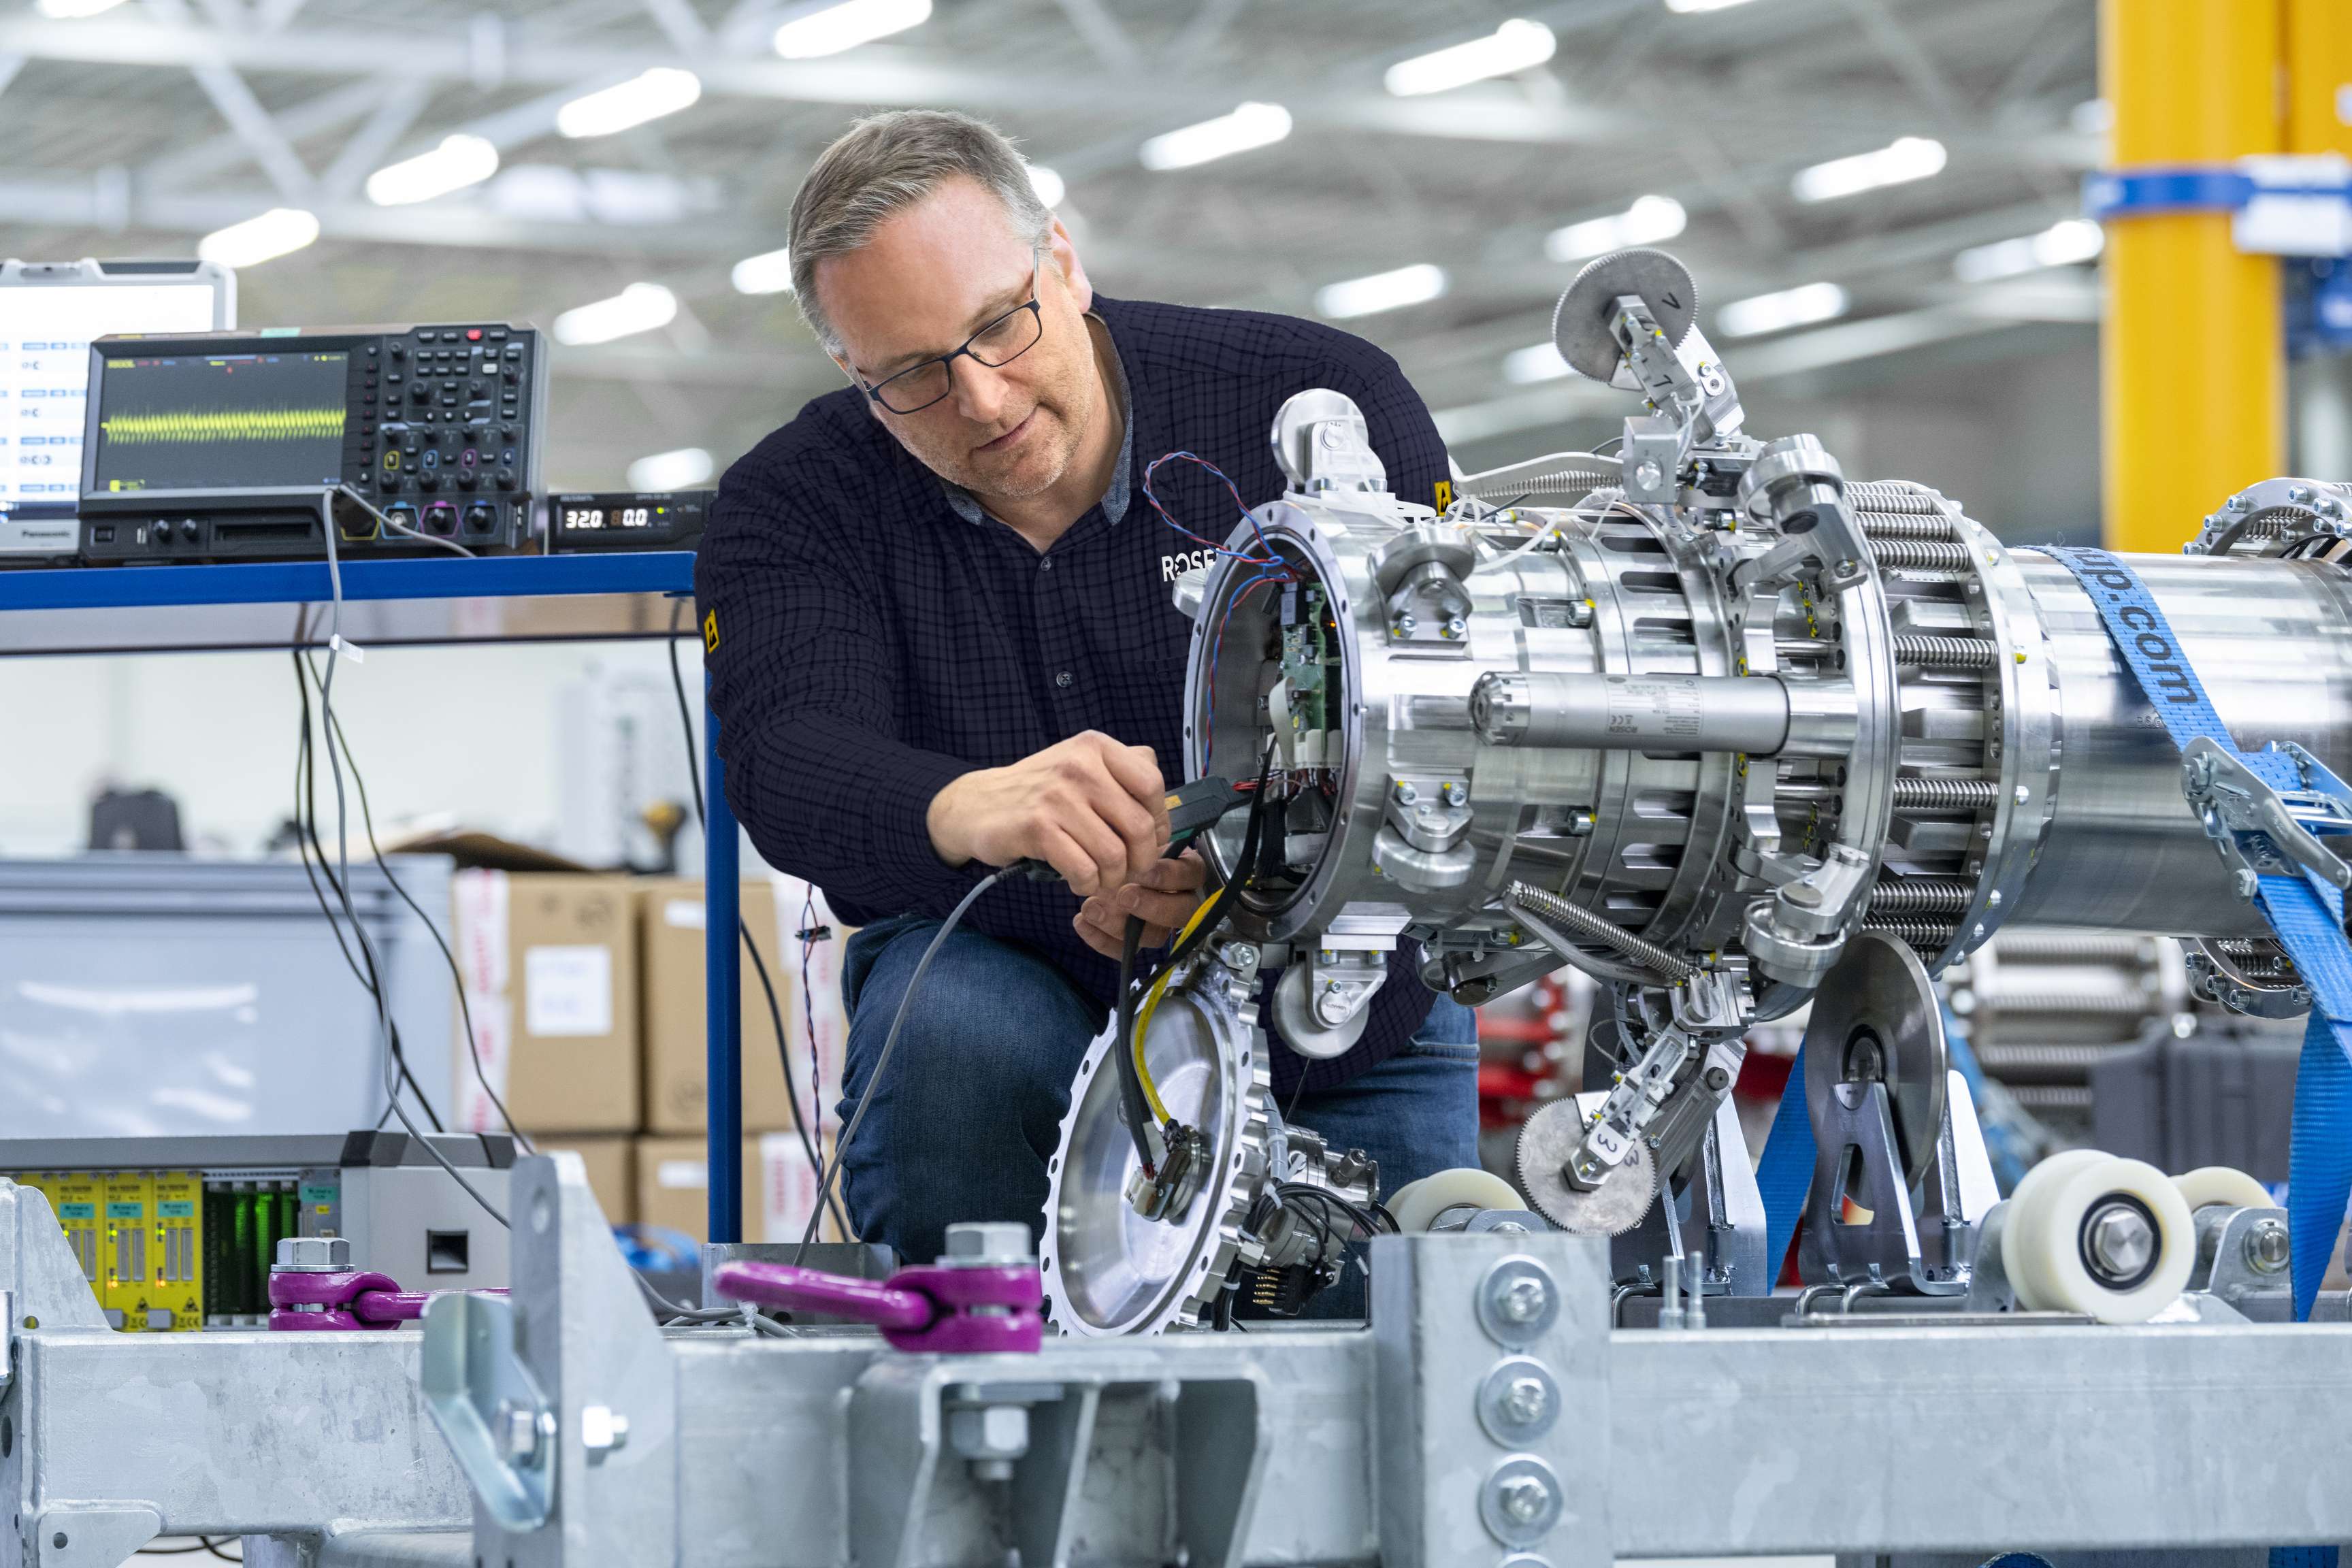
(666, 572)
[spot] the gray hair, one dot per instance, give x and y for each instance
(883, 164)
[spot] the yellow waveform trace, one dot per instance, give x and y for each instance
(223, 424)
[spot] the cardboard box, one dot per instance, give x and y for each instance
(612, 1171)
(779, 1187)
(550, 967)
(670, 935)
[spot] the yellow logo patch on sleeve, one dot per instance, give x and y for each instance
(1445, 494)
(711, 631)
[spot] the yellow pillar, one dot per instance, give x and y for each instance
(2192, 362)
(2319, 51)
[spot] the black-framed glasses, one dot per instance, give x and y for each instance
(995, 345)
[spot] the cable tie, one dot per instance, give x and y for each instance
(349, 649)
(813, 934)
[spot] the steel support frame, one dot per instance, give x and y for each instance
(1289, 1446)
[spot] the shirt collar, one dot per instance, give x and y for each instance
(967, 506)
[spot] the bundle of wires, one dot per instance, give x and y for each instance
(1271, 566)
(1138, 996)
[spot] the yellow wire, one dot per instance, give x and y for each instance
(1151, 1006)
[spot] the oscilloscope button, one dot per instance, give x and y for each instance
(189, 529)
(400, 351)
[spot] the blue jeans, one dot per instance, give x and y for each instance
(972, 1108)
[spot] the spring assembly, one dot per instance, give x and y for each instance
(1892, 495)
(2074, 1062)
(1944, 556)
(2102, 1003)
(1931, 936)
(2045, 947)
(1563, 481)
(1920, 896)
(1553, 909)
(1944, 794)
(1945, 653)
(1882, 525)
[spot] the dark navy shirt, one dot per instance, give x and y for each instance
(871, 637)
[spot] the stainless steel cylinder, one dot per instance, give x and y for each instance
(1635, 712)
(2271, 639)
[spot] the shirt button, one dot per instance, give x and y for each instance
(1046, 564)
(1063, 679)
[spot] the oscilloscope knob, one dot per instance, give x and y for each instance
(190, 528)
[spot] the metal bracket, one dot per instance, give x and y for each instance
(1856, 1157)
(2258, 829)
(500, 1426)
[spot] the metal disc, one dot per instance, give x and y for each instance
(1109, 1270)
(1876, 1018)
(1580, 326)
(1612, 1208)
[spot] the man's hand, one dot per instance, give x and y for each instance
(1093, 809)
(1165, 896)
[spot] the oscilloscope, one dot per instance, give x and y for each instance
(222, 445)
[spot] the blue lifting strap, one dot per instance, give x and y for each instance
(2305, 911)
(1784, 1175)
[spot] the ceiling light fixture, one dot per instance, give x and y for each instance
(1686, 8)
(1904, 159)
(1391, 291)
(1536, 362)
(770, 272)
(639, 308)
(1518, 45)
(73, 10)
(2063, 244)
(1800, 307)
(664, 89)
(280, 231)
(1651, 220)
(678, 471)
(846, 25)
(460, 161)
(1248, 126)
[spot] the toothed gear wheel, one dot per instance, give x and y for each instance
(1613, 1207)
(1109, 1271)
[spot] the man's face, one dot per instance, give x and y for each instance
(932, 277)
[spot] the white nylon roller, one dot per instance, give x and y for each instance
(2043, 1243)
(1417, 1204)
(2222, 1185)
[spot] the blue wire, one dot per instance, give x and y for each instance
(1268, 559)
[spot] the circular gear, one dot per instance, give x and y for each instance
(1109, 1270)
(1613, 1207)
(1875, 1018)
(1580, 324)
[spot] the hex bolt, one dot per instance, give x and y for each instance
(1527, 1401)
(2265, 1247)
(314, 1253)
(2120, 1241)
(1523, 1497)
(1523, 1299)
(992, 1244)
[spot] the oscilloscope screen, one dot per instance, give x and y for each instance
(220, 422)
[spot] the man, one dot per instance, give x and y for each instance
(939, 625)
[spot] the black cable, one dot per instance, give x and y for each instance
(306, 844)
(1130, 1082)
(889, 1044)
(342, 887)
(775, 1012)
(457, 976)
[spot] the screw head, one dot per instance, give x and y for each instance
(1453, 792)
(1523, 1301)
(2266, 1246)
(1526, 1400)
(1406, 623)
(1406, 792)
